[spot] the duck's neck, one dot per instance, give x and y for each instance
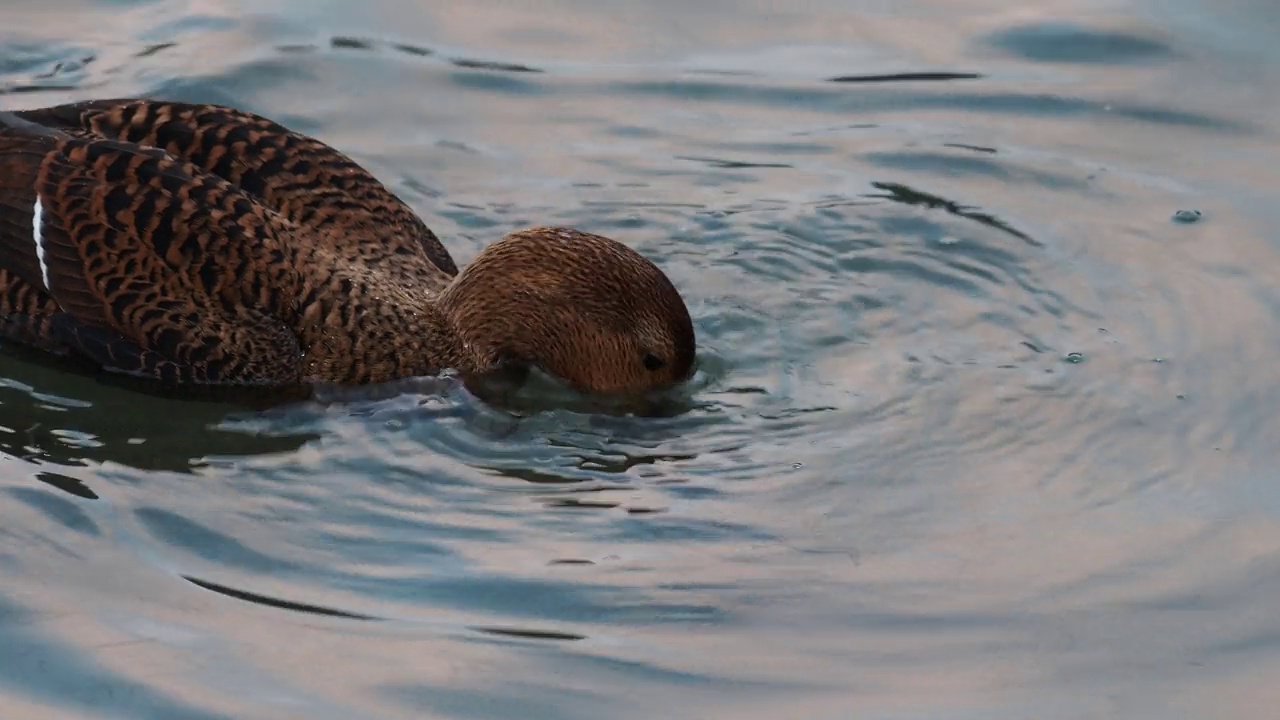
(360, 326)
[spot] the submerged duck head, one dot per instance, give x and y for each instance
(581, 307)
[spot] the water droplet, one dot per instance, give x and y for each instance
(1186, 217)
(1075, 358)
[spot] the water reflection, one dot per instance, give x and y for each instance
(53, 415)
(1070, 43)
(62, 679)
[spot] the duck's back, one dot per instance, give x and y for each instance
(301, 178)
(184, 242)
(141, 262)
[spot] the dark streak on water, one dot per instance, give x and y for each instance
(904, 77)
(983, 426)
(275, 602)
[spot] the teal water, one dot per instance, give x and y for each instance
(981, 430)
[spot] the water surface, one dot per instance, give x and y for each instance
(981, 430)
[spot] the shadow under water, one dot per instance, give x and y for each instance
(58, 415)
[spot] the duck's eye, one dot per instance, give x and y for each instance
(653, 363)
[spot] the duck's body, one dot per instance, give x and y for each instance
(200, 244)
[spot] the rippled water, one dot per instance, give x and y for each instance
(981, 429)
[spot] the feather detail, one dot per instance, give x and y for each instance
(155, 267)
(299, 177)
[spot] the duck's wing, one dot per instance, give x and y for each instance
(303, 179)
(141, 262)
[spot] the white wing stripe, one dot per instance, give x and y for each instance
(37, 219)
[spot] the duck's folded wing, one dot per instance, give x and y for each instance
(299, 177)
(141, 262)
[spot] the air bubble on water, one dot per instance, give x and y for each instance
(948, 240)
(1186, 217)
(1075, 358)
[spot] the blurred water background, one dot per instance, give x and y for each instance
(987, 301)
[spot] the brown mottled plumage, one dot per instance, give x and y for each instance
(198, 244)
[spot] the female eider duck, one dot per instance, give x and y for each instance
(202, 245)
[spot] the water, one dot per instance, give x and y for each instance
(981, 429)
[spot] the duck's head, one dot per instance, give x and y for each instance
(583, 308)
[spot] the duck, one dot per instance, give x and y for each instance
(202, 245)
